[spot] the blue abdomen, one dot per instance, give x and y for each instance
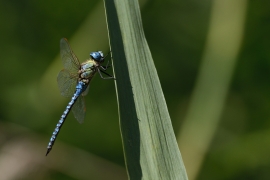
(80, 88)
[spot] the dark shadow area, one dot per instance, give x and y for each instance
(128, 122)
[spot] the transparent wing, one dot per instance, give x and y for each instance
(79, 109)
(67, 78)
(66, 83)
(69, 59)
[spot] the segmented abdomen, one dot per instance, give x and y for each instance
(81, 86)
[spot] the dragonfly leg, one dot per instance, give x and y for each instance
(107, 65)
(100, 71)
(104, 67)
(107, 54)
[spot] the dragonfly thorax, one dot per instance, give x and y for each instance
(88, 69)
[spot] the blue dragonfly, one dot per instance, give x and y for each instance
(73, 81)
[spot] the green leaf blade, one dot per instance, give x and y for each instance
(150, 147)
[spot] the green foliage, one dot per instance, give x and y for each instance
(150, 147)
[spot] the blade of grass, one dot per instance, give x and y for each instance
(208, 99)
(150, 147)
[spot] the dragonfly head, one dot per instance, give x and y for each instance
(97, 56)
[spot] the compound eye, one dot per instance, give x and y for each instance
(97, 56)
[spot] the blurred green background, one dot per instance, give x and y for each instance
(186, 39)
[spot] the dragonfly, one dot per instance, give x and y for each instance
(73, 81)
